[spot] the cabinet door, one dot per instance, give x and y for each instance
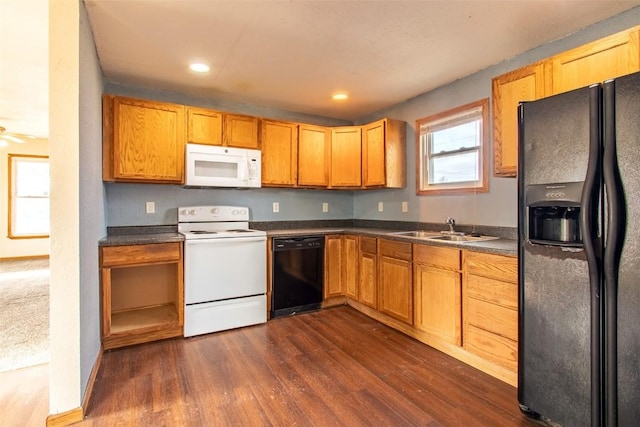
(373, 158)
(607, 58)
(395, 288)
(241, 131)
(350, 265)
(313, 155)
(384, 154)
(346, 155)
(333, 267)
(279, 153)
(524, 84)
(145, 141)
(438, 302)
(368, 272)
(395, 279)
(204, 126)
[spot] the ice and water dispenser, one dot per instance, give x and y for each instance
(553, 214)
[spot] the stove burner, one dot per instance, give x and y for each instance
(240, 231)
(203, 232)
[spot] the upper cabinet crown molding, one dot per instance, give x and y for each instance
(606, 58)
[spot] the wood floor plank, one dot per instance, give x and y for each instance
(331, 367)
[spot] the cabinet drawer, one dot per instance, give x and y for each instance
(493, 318)
(440, 257)
(397, 250)
(494, 266)
(136, 254)
(493, 291)
(368, 245)
(492, 347)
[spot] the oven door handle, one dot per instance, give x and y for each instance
(225, 240)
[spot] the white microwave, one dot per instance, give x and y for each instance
(215, 166)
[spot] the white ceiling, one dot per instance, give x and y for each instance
(287, 54)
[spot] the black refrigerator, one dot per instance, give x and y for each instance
(579, 255)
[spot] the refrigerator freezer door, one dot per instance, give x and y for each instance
(554, 341)
(627, 136)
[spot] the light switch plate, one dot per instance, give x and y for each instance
(405, 207)
(150, 207)
(380, 206)
(325, 207)
(276, 207)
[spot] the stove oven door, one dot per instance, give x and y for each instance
(224, 268)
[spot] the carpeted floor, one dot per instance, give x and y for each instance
(24, 313)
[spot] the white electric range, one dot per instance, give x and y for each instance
(225, 262)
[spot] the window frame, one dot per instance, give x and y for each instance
(422, 160)
(11, 196)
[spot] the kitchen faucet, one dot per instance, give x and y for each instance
(451, 222)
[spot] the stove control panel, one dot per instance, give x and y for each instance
(213, 213)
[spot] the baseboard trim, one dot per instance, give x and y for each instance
(76, 415)
(24, 258)
(92, 380)
(65, 418)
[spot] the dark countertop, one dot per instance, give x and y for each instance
(499, 246)
(142, 235)
(121, 236)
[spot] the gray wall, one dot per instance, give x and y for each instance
(92, 197)
(496, 208)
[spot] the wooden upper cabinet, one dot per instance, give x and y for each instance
(241, 131)
(524, 84)
(143, 141)
(204, 126)
(279, 153)
(384, 154)
(604, 59)
(346, 154)
(313, 155)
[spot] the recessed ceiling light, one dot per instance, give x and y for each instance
(199, 67)
(340, 96)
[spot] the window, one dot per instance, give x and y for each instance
(452, 150)
(29, 196)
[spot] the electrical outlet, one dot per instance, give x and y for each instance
(405, 207)
(150, 207)
(325, 207)
(380, 206)
(276, 207)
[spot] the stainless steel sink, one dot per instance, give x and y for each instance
(420, 234)
(442, 237)
(460, 238)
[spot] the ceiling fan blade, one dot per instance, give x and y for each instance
(13, 139)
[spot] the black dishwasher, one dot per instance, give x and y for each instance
(297, 275)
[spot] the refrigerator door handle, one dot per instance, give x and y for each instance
(615, 231)
(589, 208)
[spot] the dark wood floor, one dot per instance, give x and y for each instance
(327, 368)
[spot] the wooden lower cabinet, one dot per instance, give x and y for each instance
(368, 272)
(141, 293)
(438, 292)
(350, 265)
(490, 314)
(395, 280)
(333, 258)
